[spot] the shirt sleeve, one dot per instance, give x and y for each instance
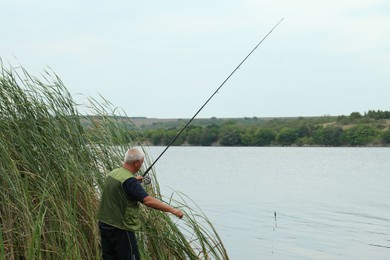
(133, 189)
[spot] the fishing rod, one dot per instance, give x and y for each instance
(147, 179)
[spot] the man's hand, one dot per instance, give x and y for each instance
(178, 213)
(156, 204)
(139, 178)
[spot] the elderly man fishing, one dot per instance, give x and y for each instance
(119, 214)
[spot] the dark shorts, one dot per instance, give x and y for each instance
(117, 243)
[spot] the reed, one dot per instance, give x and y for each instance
(53, 162)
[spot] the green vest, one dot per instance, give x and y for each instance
(116, 208)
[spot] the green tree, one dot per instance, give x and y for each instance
(156, 136)
(379, 114)
(386, 136)
(360, 135)
(343, 120)
(264, 137)
(329, 136)
(170, 135)
(246, 136)
(230, 135)
(355, 115)
(287, 136)
(210, 135)
(195, 135)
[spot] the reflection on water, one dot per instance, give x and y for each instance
(330, 203)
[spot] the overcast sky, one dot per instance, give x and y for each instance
(164, 59)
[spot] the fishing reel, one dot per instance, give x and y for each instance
(147, 180)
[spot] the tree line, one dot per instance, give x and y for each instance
(368, 129)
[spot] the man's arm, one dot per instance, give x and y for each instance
(156, 204)
(133, 188)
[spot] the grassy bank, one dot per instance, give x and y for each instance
(52, 171)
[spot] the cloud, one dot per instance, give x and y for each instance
(331, 46)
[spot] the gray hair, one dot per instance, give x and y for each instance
(133, 155)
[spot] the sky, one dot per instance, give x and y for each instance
(164, 59)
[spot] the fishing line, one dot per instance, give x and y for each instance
(147, 179)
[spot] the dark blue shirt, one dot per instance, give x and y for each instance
(133, 189)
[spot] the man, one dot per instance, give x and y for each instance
(119, 214)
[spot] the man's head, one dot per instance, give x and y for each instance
(134, 157)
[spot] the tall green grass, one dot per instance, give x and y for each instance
(52, 169)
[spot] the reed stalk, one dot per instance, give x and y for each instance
(53, 162)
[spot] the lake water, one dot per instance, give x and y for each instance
(330, 203)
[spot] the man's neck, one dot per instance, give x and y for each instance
(129, 167)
